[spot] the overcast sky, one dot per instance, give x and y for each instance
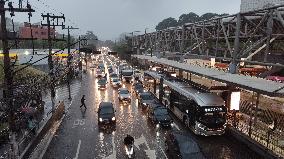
(109, 18)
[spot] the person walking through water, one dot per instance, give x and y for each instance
(83, 102)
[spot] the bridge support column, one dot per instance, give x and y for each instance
(161, 89)
(233, 64)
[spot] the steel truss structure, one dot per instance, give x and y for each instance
(238, 37)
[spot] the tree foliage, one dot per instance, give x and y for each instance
(188, 18)
(185, 18)
(166, 23)
(92, 39)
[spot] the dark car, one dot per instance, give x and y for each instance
(145, 99)
(138, 88)
(159, 115)
(106, 113)
(180, 145)
(102, 83)
(110, 70)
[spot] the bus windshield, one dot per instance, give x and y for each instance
(127, 73)
(213, 117)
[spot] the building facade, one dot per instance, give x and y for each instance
(251, 5)
(38, 31)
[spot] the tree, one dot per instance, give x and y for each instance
(188, 18)
(208, 16)
(91, 39)
(166, 23)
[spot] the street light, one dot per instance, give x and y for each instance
(132, 49)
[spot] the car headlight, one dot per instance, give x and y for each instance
(113, 118)
(101, 119)
(158, 125)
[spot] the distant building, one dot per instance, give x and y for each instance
(251, 5)
(38, 31)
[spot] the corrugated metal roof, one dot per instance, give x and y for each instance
(259, 85)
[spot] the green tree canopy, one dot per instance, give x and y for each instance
(188, 18)
(185, 18)
(168, 22)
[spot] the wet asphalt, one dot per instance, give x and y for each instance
(79, 137)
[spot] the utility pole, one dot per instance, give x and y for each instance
(69, 60)
(50, 61)
(8, 77)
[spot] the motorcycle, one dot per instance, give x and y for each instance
(129, 151)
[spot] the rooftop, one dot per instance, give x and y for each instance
(255, 84)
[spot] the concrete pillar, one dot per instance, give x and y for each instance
(233, 65)
(161, 89)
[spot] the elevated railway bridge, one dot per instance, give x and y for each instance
(254, 37)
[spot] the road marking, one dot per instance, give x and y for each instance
(163, 152)
(175, 125)
(78, 122)
(78, 150)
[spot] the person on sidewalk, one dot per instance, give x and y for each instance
(83, 102)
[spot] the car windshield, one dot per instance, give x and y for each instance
(113, 75)
(123, 91)
(106, 110)
(138, 86)
(127, 73)
(102, 81)
(115, 80)
(147, 96)
(160, 111)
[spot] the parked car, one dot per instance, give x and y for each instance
(124, 95)
(159, 115)
(145, 99)
(106, 114)
(115, 82)
(102, 83)
(180, 145)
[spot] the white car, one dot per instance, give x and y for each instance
(115, 82)
(124, 95)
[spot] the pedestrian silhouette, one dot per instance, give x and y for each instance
(83, 102)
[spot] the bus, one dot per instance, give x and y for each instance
(204, 113)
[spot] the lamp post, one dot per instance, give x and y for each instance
(132, 44)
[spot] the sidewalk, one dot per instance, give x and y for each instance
(25, 137)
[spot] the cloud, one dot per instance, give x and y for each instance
(109, 18)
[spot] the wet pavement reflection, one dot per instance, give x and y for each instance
(79, 136)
